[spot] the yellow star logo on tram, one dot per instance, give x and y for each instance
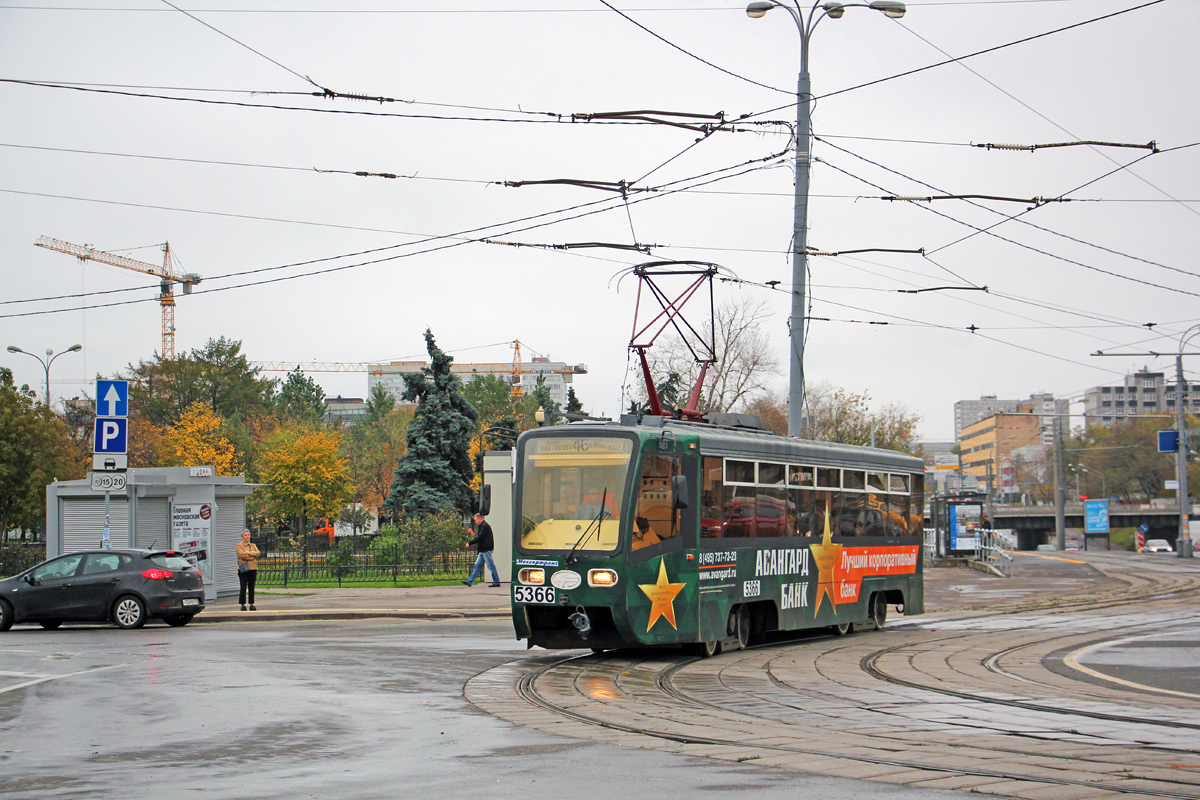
(825, 555)
(662, 595)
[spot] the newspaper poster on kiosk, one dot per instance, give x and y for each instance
(191, 535)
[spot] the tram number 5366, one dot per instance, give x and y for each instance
(542, 595)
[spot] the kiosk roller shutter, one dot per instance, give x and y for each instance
(153, 523)
(82, 523)
(227, 532)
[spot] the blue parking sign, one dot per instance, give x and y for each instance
(110, 435)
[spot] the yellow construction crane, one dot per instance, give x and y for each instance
(167, 274)
(464, 370)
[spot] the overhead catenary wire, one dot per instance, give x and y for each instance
(1095, 145)
(552, 118)
(1031, 224)
(959, 59)
(973, 330)
(977, 229)
(669, 43)
(462, 237)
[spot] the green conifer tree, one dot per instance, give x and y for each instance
(435, 474)
(573, 404)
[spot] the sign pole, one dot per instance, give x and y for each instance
(106, 542)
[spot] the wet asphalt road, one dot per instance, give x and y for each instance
(364, 709)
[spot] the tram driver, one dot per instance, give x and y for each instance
(593, 501)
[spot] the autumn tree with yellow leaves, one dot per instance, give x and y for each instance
(199, 438)
(304, 474)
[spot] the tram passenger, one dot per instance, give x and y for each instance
(643, 534)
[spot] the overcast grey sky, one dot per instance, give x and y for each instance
(170, 144)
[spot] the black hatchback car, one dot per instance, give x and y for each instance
(127, 587)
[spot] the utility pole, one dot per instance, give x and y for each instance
(1060, 502)
(893, 9)
(1183, 542)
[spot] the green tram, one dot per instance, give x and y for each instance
(666, 532)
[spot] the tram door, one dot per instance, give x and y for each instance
(662, 548)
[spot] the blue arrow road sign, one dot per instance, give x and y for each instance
(112, 399)
(110, 435)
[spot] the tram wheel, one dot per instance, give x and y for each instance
(841, 628)
(705, 649)
(739, 625)
(879, 610)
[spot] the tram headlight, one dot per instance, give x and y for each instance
(531, 576)
(602, 577)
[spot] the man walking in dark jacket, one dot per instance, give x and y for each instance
(484, 545)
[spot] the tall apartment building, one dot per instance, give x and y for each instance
(1143, 392)
(1043, 405)
(986, 448)
(345, 409)
(558, 375)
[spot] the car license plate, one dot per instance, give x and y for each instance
(191, 601)
(540, 595)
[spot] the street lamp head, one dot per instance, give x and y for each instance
(540, 415)
(834, 10)
(759, 8)
(14, 349)
(890, 8)
(75, 348)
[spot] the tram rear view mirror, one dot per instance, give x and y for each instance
(679, 491)
(485, 499)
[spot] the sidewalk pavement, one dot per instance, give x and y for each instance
(1040, 580)
(427, 602)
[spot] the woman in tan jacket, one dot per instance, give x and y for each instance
(247, 556)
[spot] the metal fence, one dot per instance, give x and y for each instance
(930, 544)
(291, 567)
(280, 568)
(16, 557)
(995, 549)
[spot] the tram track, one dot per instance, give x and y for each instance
(776, 705)
(529, 692)
(869, 664)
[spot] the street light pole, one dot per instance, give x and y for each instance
(803, 135)
(1183, 542)
(46, 362)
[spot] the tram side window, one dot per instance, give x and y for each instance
(916, 505)
(654, 500)
(830, 502)
(874, 516)
(803, 501)
(770, 518)
(740, 509)
(853, 515)
(897, 517)
(711, 498)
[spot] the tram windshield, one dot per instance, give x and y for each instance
(573, 492)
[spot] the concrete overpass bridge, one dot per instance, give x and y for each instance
(1034, 525)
